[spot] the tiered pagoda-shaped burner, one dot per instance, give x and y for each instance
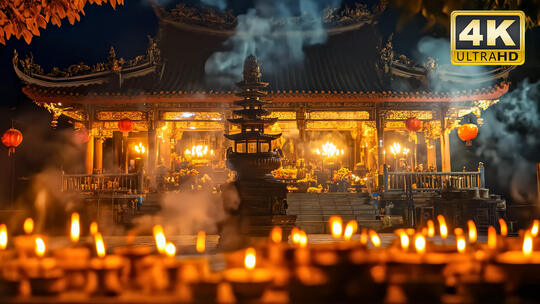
(252, 156)
(263, 200)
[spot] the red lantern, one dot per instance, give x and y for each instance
(467, 133)
(125, 125)
(80, 136)
(12, 138)
(413, 124)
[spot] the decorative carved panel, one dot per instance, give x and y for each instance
(119, 115)
(199, 125)
(333, 115)
(283, 115)
(331, 125)
(405, 114)
(195, 115)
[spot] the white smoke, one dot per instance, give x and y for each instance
(268, 32)
(509, 141)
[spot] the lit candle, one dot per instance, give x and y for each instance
(276, 234)
(492, 238)
(461, 244)
(443, 229)
(94, 228)
(3, 237)
(40, 247)
(420, 243)
(527, 247)
(375, 239)
(28, 226)
(170, 250)
(430, 228)
(159, 238)
(472, 231)
(100, 245)
(75, 230)
(250, 260)
(535, 228)
(336, 226)
(404, 240)
(200, 244)
(504, 227)
(350, 230)
(364, 237)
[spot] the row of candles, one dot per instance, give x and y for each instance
(355, 265)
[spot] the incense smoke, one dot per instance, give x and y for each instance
(268, 32)
(219, 4)
(509, 141)
(189, 212)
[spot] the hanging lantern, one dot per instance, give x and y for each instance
(12, 138)
(81, 136)
(125, 125)
(467, 133)
(413, 124)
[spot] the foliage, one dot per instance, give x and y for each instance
(24, 18)
(438, 11)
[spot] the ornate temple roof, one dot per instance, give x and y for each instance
(351, 65)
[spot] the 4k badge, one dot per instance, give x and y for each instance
(487, 37)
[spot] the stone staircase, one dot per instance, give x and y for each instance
(314, 209)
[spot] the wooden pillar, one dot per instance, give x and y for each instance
(89, 159)
(117, 150)
(98, 157)
(301, 126)
(445, 142)
(152, 141)
(379, 125)
(431, 154)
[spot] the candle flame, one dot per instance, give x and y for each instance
(534, 228)
(93, 228)
(420, 243)
(375, 239)
(100, 245)
(472, 231)
(430, 228)
(170, 249)
(159, 238)
(249, 259)
(461, 244)
(40, 247)
(3, 236)
(364, 237)
(336, 226)
(329, 150)
(504, 227)
(139, 148)
(458, 231)
(404, 240)
(302, 239)
(350, 229)
(75, 227)
(276, 234)
(200, 246)
(28, 225)
(395, 148)
(198, 151)
(527, 244)
(443, 229)
(492, 238)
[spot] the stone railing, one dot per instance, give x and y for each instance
(132, 183)
(433, 181)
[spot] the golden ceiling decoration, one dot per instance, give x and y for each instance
(75, 114)
(394, 124)
(333, 115)
(118, 115)
(283, 115)
(199, 125)
(405, 114)
(331, 125)
(216, 116)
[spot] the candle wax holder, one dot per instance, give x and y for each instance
(205, 290)
(521, 273)
(44, 275)
(134, 254)
(309, 284)
(248, 284)
(107, 271)
(10, 278)
(75, 262)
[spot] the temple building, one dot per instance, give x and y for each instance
(351, 94)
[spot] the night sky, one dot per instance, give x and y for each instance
(126, 29)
